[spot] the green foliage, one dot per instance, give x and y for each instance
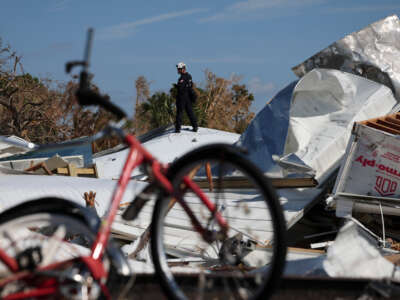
(158, 110)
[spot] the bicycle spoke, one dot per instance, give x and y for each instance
(233, 263)
(54, 244)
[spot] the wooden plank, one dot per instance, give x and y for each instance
(241, 182)
(71, 170)
(293, 182)
(84, 171)
(393, 258)
(374, 120)
(96, 171)
(392, 120)
(388, 124)
(40, 165)
(306, 250)
(62, 171)
(383, 128)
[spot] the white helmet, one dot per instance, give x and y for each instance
(181, 65)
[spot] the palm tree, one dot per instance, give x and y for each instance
(158, 110)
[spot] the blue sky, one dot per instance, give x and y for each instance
(260, 40)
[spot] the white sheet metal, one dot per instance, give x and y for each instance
(15, 189)
(371, 52)
(166, 147)
(266, 134)
(325, 105)
(11, 145)
(313, 118)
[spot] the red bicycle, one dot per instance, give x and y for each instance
(217, 228)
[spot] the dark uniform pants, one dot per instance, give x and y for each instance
(181, 105)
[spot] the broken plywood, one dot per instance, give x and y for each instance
(72, 170)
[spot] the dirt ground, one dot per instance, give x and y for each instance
(146, 287)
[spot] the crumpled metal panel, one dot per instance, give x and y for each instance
(312, 118)
(372, 52)
(266, 134)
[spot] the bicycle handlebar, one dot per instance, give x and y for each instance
(85, 95)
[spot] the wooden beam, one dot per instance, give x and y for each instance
(71, 170)
(388, 124)
(383, 128)
(392, 119)
(241, 182)
(41, 165)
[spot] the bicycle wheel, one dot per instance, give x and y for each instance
(39, 233)
(248, 262)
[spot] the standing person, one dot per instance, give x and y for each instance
(183, 99)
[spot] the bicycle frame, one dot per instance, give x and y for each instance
(137, 155)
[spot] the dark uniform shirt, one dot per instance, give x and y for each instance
(184, 86)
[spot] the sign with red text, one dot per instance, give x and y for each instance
(371, 165)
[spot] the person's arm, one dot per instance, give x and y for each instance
(189, 81)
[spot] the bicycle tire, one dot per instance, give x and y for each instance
(43, 226)
(248, 228)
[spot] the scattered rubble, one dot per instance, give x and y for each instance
(331, 138)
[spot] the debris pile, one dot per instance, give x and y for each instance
(329, 142)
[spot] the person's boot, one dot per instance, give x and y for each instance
(195, 129)
(177, 130)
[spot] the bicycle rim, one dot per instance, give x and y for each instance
(38, 239)
(245, 264)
